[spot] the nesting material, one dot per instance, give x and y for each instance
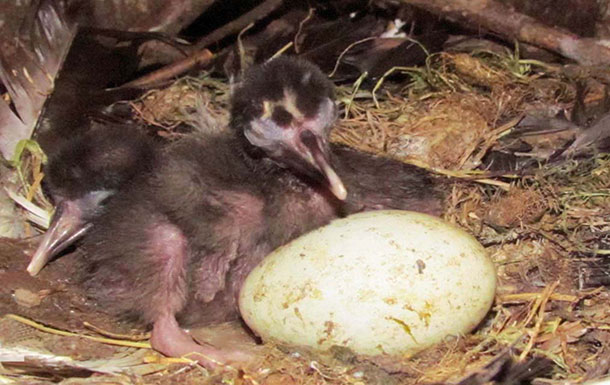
(517, 207)
(196, 102)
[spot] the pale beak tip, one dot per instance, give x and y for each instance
(336, 185)
(338, 190)
(341, 194)
(33, 268)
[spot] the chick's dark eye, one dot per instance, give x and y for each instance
(281, 116)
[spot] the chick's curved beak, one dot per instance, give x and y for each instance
(300, 141)
(318, 158)
(66, 227)
(69, 224)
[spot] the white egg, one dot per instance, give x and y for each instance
(380, 282)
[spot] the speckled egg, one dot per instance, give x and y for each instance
(380, 282)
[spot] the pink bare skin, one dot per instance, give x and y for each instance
(172, 250)
(170, 339)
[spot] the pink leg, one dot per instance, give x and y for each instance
(169, 246)
(168, 338)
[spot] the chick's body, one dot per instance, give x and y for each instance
(202, 221)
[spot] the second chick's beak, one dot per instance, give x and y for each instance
(69, 223)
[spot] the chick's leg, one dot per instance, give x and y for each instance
(171, 248)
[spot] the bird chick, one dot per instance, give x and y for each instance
(173, 248)
(178, 244)
(81, 175)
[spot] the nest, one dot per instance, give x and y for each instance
(546, 230)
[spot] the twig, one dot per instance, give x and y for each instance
(338, 62)
(474, 175)
(50, 330)
(524, 297)
(282, 50)
(106, 333)
(492, 138)
(355, 89)
(198, 59)
(202, 56)
(541, 303)
(501, 19)
(242, 50)
(301, 24)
